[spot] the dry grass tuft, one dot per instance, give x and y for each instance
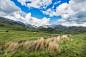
(53, 46)
(67, 39)
(57, 39)
(7, 45)
(47, 42)
(59, 51)
(40, 44)
(64, 37)
(11, 45)
(35, 43)
(53, 38)
(21, 44)
(26, 43)
(15, 45)
(71, 40)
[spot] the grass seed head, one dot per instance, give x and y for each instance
(58, 39)
(53, 46)
(11, 45)
(7, 45)
(15, 45)
(47, 42)
(65, 37)
(71, 40)
(40, 43)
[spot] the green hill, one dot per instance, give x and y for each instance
(6, 23)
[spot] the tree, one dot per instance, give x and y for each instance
(50, 30)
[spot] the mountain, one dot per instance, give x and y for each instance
(4, 22)
(11, 25)
(11, 21)
(31, 26)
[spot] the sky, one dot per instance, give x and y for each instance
(45, 12)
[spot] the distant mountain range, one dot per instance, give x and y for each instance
(55, 27)
(11, 21)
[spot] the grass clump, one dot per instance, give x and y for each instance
(50, 44)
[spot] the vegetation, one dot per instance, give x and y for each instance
(74, 46)
(20, 41)
(47, 30)
(13, 35)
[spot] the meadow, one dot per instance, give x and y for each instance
(37, 44)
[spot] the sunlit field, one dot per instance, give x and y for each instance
(37, 44)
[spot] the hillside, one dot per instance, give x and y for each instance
(8, 25)
(9, 21)
(58, 29)
(21, 41)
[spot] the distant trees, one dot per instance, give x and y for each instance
(19, 28)
(58, 31)
(82, 31)
(49, 29)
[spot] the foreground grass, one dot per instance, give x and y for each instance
(74, 47)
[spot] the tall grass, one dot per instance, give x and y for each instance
(41, 44)
(74, 46)
(11, 45)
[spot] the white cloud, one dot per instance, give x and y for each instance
(77, 14)
(60, 21)
(72, 8)
(29, 20)
(8, 6)
(11, 11)
(78, 5)
(36, 3)
(49, 12)
(60, 10)
(73, 24)
(74, 13)
(57, 2)
(52, 6)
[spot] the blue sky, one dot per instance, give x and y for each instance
(45, 12)
(35, 12)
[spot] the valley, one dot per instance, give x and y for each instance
(17, 41)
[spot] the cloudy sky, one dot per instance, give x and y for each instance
(45, 12)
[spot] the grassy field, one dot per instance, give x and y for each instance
(74, 46)
(13, 35)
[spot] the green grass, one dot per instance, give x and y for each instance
(75, 48)
(13, 35)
